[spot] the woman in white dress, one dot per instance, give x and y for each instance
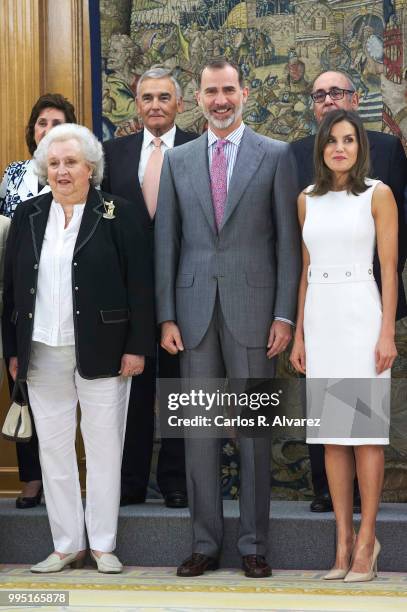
(344, 340)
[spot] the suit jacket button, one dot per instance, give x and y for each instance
(77, 312)
(35, 266)
(76, 288)
(74, 263)
(32, 290)
(30, 315)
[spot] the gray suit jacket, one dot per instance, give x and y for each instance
(254, 260)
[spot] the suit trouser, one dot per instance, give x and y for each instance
(29, 467)
(318, 473)
(138, 443)
(54, 388)
(219, 355)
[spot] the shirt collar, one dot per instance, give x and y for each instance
(75, 207)
(167, 138)
(234, 137)
(77, 210)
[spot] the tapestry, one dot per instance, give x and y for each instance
(281, 46)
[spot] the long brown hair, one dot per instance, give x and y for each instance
(323, 175)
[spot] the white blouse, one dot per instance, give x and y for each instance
(53, 322)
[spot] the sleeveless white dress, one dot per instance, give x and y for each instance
(342, 321)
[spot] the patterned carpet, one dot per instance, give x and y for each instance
(158, 590)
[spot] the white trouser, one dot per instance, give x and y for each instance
(54, 388)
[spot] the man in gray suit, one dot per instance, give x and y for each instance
(227, 269)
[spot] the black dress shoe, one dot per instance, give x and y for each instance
(255, 566)
(196, 565)
(176, 499)
(22, 503)
(321, 503)
(129, 500)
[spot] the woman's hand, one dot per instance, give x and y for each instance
(131, 365)
(385, 352)
(297, 357)
(13, 367)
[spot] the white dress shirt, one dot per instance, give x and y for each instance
(147, 148)
(53, 322)
(231, 148)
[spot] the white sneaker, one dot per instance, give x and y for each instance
(54, 563)
(107, 563)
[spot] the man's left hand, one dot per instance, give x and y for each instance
(279, 338)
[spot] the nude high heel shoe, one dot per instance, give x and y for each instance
(339, 574)
(336, 574)
(365, 577)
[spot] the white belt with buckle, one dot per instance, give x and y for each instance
(350, 273)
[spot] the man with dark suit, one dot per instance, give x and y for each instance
(132, 170)
(332, 90)
(227, 270)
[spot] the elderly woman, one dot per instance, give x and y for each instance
(78, 320)
(20, 183)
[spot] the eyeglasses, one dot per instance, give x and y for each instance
(335, 93)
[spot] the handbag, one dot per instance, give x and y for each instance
(17, 425)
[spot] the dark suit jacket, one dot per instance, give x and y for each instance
(112, 285)
(122, 158)
(388, 164)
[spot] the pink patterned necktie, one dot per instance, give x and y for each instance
(219, 169)
(151, 180)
